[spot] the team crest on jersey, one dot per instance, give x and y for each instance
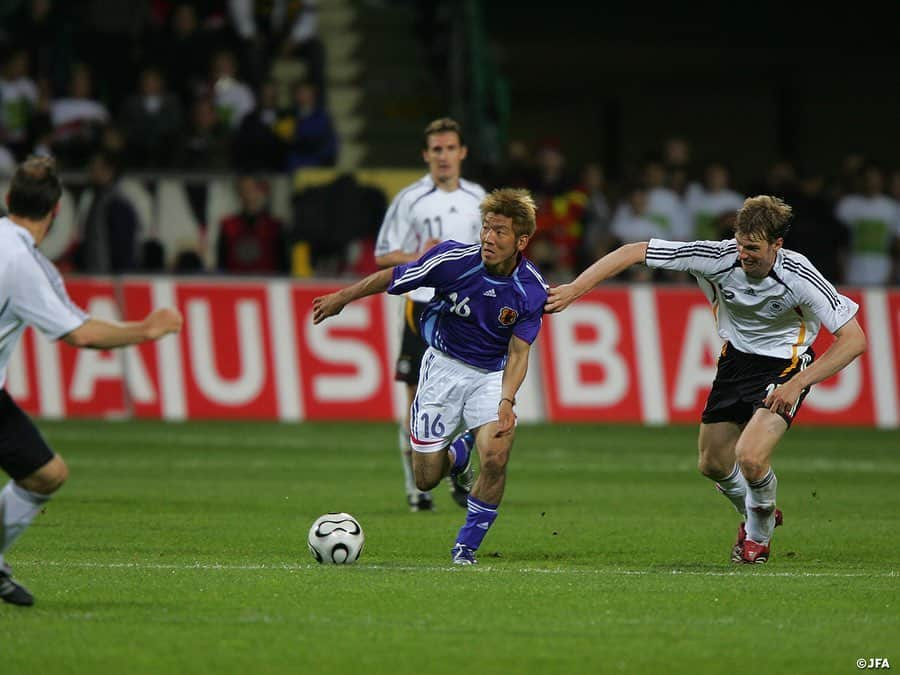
(508, 316)
(773, 308)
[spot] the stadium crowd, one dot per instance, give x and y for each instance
(206, 86)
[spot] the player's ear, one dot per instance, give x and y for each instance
(522, 242)
(463, 151)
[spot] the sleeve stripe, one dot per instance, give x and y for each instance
(816, 281)
(706, 250)
(416, 272)
(684, 254)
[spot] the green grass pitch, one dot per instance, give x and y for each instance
(181, 548)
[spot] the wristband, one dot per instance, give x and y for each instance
(512, 401)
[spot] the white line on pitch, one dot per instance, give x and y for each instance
(434, 568)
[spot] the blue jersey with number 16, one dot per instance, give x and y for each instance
(474, 313)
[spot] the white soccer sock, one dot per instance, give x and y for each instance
(761, 508)
(18, 507)
(734, 488)
(406, 460)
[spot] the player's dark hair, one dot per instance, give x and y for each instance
(763, 218)
(514, 203)
(35, 188)
(440, 126)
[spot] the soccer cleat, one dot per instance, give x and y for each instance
(461, 481)
(463, 555)
(737, 550)
(11, 592)
(420, 502)
(753, 553)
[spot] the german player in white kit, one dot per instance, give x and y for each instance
(438, 207)
(32, 293)
(769, 304)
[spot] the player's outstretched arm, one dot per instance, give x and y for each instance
(331, 304)
(608, 266)
(513, 376)
(101, 334)
(849, 343)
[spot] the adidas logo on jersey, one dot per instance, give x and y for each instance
(490, 293)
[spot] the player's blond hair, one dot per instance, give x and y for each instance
(442, 125)
(514, 203)
(763, 218)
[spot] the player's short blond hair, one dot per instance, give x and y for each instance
(442, 125)
(763, 218)
(514, 203)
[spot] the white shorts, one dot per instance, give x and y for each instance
(451, 398)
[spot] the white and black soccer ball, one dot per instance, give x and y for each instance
(336, 538)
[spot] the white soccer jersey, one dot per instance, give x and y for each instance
(776, 316)
(423, 211)
(31, 293)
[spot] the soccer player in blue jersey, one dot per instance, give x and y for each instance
(480, 324)
(769, 304)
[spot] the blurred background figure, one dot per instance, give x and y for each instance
(707, 202)
(633, 222)
(273, 29)
(152, 121)
(233, 97)
(598, 238)
(561, 203)
(18, 102)
(874, 224)
(257, 145)
(208, 143)
(815, 231)
(310, 130)
(252, 241)
(110, 228)
(78, 120)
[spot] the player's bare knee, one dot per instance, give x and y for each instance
(753, 468)
(48, 479)
(712, 467)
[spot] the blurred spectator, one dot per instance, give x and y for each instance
(278, 28)
(252, 241)
(664, 205)
(707, 202)
(109, 231)
(208, 143)
(153, 123)
(561, 203)
(874, 223)
(45, 29)
(233, 98)
(634, 222)
(598, 237)
(109, 40)
(77, 120)
(257, 145)
(780, 181)
(815, 231)
(18, 102)
(184, 49)
(313, 141)
(518, 168)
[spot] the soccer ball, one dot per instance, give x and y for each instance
(336, 538)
